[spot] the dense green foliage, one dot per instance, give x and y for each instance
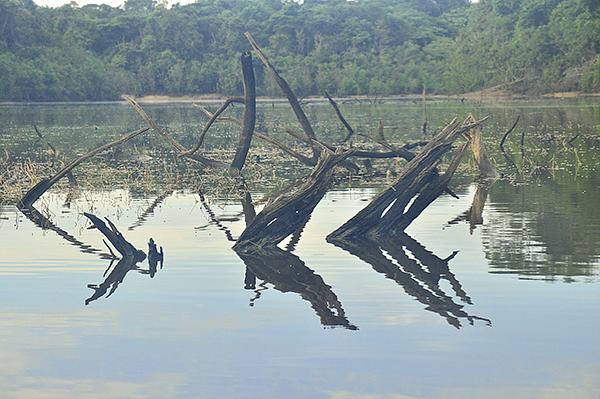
(371, 47)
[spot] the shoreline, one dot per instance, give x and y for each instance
(482, 96)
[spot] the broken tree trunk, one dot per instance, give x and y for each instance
(291, 210)
(417, 186)
(249, 120)
(44, 185)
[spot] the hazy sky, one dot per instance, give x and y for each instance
(114, 3)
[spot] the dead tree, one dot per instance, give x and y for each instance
(419, 184)
(248, 123)
(486, 168)
(249, 119)
(291, 210)
(45, 184)
(169, 138)
(291, 97)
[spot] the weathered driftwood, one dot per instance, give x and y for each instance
(249, 119)
(417, 186)
(417, 270)
(44, 185)
(291, 210)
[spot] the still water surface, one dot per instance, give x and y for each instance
(512, 313)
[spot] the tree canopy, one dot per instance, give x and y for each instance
(375, 47)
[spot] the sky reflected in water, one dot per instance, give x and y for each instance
(194, 331)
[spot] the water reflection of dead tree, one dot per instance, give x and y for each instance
(474, 215)
(417, 270)
(486, 168)
(150, 210)
(113, 280)
(131, 256)
(287, 273)
(37, 218)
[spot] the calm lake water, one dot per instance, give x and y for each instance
(513, 313)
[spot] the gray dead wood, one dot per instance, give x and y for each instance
(288, 212)
(419, 184)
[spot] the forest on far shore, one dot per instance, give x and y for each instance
(359, 47)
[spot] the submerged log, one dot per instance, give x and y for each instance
(419, 184)
(291, 210)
